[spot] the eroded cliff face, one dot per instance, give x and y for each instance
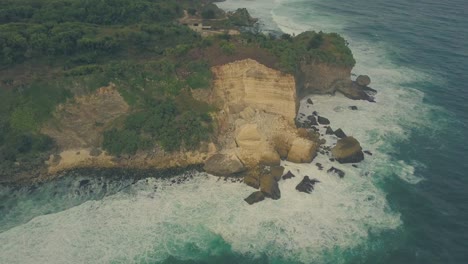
(249, 83)
(256, 121)
(255, 125)
(321, 78)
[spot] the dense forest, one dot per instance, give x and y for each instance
(48, 45)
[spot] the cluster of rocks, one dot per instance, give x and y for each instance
(266, 180)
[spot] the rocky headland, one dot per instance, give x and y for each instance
(213, 96)
(257, 126)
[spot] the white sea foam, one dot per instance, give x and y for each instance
(151, 223)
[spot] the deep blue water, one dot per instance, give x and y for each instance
(412, 209)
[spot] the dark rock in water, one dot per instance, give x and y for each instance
(355, 91)
(315, 113)
(348, 150)
(255, 197)
(354, 165)
(363, 80)
(95, 152)
(323, 121)
(309, 101)
(368, 152)
(277, 172)
(301, 114)
(370, 91)
(329, 131)
(340, 133)
(314, 129)
(332, 159)
(353, 107)
(319, 166)
(83, 183)
(313, 121)
(269, 186)
(288, 175)
(336, 171)
(306, 185)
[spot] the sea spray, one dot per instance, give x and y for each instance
(158, 219)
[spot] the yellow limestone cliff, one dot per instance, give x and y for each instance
(256, 121)
(249, 83)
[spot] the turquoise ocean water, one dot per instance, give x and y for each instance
(408, 203)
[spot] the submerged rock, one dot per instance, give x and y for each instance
(338, 172)
(288, 175)
(340, 133)
(368, 152)
(309, 101)
(306, 185)
(255, 197)
(323, 121)
(353, 107)
(223, 165)
(348, 150)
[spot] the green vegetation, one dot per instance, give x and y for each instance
(51, 51)
(307, 47)
(162, 122)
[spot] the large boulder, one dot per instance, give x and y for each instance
(302, 151)
(255, 197)
(248, 137)
(348, 150)
(269, 186)
(363, 80)
(223, 165)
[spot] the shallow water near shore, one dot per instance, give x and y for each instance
(404, 204)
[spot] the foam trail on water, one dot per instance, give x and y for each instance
(155, 219)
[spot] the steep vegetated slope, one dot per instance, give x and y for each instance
(122, 76)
